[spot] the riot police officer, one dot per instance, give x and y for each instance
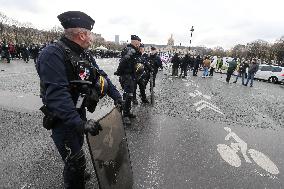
(67, 71)
(142, 71)
(155, 62)
(126, 72)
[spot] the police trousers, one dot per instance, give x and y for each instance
(69, 144)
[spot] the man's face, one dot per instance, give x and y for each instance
(135, 43)
(87, 38)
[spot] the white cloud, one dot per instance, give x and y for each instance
(217, 23)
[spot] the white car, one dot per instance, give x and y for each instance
(277, 74)
(270, 73)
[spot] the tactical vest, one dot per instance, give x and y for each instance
(83, 78)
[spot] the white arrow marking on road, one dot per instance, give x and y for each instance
(207, 97)
(203, 101)
(206, 105)
(198, 93)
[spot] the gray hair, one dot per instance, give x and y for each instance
(71, 33)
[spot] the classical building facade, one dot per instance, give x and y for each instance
(171, 48)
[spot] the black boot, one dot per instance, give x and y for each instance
(145, 101)
(135, 101)
(130, 115)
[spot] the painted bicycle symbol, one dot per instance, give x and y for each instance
(229, 154)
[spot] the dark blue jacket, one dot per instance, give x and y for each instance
(155, 62)
(129, 56)
(57, 96)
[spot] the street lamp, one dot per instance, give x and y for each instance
(191, 31)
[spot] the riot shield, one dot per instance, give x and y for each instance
(152, 88)
(109, 153)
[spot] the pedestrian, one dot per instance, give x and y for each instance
(206, 65)
(232, 67)
(213, 66)
(25, 53)
(251, 72)
(241, 71)
(59, 65)
(176, 63)
(197, 62)
(220, 65)
(34, 50)
(184, 65)
(5, 52)
(126, 72)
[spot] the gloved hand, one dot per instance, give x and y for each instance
(119, 103)
(91, 126)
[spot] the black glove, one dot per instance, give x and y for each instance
(91, 126)
(119, 103)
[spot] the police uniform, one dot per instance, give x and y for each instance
(126, 71)
(156, 63)
(58, 65)
(142, 69)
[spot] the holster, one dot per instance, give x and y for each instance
(49, 118)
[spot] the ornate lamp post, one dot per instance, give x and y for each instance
(191, 31)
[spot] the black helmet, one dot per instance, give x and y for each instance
(139, 69)
(101, 86)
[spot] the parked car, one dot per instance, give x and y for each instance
(277, 74)
(270, 73)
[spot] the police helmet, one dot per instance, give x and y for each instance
(101, 86)
(139, 69)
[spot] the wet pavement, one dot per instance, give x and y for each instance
(200, 133)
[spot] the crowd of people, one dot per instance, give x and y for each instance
(246, 69)
(25, 52)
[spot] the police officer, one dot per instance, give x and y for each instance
(126, 72)
(155, 62)
(66, 70)
(142, 70)
(196, 64)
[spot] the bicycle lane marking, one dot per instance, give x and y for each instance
(229, 154)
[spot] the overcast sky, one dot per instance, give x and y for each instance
(217, 22)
